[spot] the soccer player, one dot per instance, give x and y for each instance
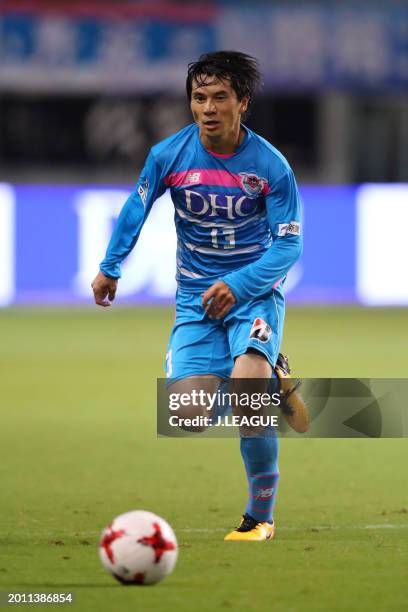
(237, 216)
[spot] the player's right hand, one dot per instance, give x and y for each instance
(218, 300)
(104, 289)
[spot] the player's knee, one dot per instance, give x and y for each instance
(189, 401)
(187, 414)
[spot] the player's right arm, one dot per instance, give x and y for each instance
(260, 276)
(283, 213)
(134, 213)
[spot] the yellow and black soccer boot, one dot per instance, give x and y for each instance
(292, 405)
(251, 531)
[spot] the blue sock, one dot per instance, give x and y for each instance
(274, 384)
(260, 455)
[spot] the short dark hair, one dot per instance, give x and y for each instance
(240, 69)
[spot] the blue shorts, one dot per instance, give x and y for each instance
(200, 345)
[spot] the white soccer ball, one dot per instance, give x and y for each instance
(138, 547)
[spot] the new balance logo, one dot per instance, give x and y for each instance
(193, 177)
(260, 330)
(264, 493)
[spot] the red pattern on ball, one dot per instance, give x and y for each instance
(157, 541)
(109, 537)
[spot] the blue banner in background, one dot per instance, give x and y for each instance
(328, 262)
(52, 239)
(121, 47)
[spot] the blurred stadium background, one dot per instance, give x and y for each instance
(86, 87)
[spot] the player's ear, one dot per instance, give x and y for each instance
(244, 105)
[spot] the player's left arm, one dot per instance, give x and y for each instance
(283, 211)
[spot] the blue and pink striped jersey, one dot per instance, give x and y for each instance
(237, 216)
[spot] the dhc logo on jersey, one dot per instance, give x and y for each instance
(221, 205)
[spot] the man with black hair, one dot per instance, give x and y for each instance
(237, 218)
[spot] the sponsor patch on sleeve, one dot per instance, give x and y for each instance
(289, 228)
(142, 191)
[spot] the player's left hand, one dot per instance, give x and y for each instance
(218, 300)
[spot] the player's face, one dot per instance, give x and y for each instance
(216, 109)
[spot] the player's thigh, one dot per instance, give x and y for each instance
(254, 331)
(197, 360)
(252, 364)
(198, 346)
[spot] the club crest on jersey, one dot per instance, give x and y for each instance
(251, 183)
(260, 330)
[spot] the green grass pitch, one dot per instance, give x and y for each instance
(79, 446)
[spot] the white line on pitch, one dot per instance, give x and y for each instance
(306, 528)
